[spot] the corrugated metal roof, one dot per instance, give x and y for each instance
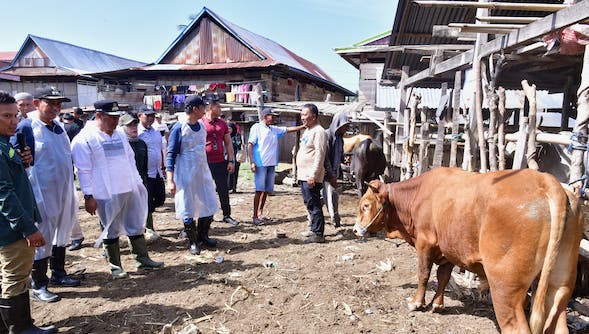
(413, 24)
(268, 50)
(75, 58)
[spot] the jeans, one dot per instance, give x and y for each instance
(312, 200)
(221, 177)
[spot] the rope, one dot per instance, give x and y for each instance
(578, 142)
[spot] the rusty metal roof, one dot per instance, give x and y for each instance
(67, 58)
(269, 52)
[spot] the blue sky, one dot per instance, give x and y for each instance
(142, 30)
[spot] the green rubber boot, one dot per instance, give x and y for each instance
(139, 249)
(113, 254)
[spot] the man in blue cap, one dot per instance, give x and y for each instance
(189, 177)
(112, 186)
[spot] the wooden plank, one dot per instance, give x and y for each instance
(447, 32)
(530, 92)
(566, 17)
(513, 19)
(482, 26)
(424, 49)
(538, 7)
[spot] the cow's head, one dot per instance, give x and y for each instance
(372, 209)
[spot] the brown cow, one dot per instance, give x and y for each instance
(507, 227)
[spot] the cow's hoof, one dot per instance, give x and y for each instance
(436, 308)
(413, 306)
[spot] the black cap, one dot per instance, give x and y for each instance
(210, 98)
(68, 116)
(191, 102)
(78, 110)
(269, 111)
(50, 93)
(147, 110)
(108, 107)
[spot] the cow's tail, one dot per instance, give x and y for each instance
(558, 214)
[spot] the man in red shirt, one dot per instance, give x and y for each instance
(219, 141)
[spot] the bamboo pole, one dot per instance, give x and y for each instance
(538, 7)
(455, 117)
(401, 133)
(580, 128)
(386, 144)
(530, 92)
(501, 128)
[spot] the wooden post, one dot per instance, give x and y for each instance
(492, 102)
(455, 117)
(469, 139)
(580, 128)
(259, 100)
(566, 104)
(403, 117)
(416, 99)
(386, 144)
(481, 38)
(530, 92)
(520, 148)
(501, 128)
(439, 149)
(424, 143)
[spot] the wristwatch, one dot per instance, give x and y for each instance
(87, 197)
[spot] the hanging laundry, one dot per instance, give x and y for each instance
(230, 97)
(179, 101)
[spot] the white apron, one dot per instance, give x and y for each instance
(119, 191)
(52, 179)
(195, 187)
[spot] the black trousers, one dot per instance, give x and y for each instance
(233, 177)
(156, 192)
(221, 177)
(312, 200)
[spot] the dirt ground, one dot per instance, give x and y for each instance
(256, 282)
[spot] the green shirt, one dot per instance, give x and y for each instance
(18, 209)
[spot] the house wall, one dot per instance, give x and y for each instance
(69, 88)
(368, 81)
(284, 89)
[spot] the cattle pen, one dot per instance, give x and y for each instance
(483, 85)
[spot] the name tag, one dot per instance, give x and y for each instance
(113, 148)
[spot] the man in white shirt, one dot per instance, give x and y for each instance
(112, 186)
(262, 148)
(156, 191)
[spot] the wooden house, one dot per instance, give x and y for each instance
(214, 55)
(67, 67)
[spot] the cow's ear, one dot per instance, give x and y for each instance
(374, 185)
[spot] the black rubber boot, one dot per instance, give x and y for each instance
(190, 230)
(39, 282)
(139, 249)
(16, 315)
(204, 225)
(113, 255)
(57, 265)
